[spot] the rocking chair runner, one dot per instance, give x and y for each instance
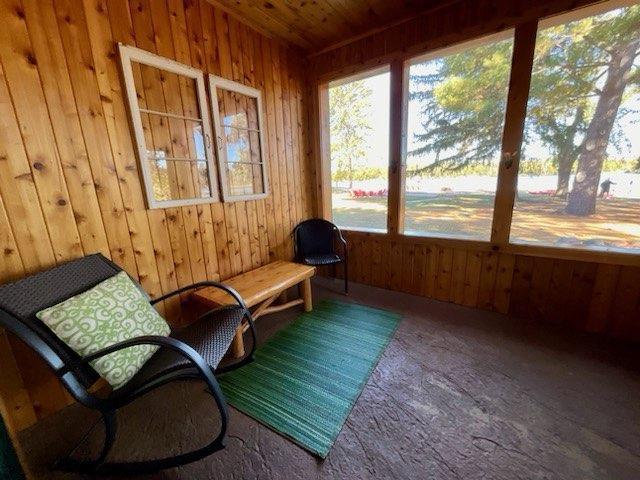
(191, 353)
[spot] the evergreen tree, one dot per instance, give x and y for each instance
(349, 106)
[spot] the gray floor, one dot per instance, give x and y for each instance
(458, 394)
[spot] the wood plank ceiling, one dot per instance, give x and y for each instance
(317, 24)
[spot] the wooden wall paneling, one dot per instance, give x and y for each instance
(13, 392)
(375, 261)
(395, 266)
(23, 80)
(69, 180)
(522, 275)
(212, 63)
(256, 211)
(419, 267)
(431, 271)
(230, 211)
(307, 192)
(580, 291)
(601, 302)
(472, 278)
(487, 280)
(625, 321)
(241, 207)
(443, 275)
(296, 151)
(276, 240)
(18, 190)
(288, 141)
(458, 275)
(11, 264)
(366, 250)
(183, 143)
(82, 71)
(173, 143)
(192, 51)
(116, 118)
(141, 34)
(504, 278)
(51, 63)
(281, 149)
(538, 306)
(408, 251)
(266, 216)
(557, 293)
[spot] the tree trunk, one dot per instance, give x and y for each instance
(568, 153)
(564, 174)
(582, 199)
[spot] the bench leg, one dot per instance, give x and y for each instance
(237, 346)
(306, 295)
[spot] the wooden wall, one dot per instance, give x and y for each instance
(595, 297)
(69, 180)
(591, 291)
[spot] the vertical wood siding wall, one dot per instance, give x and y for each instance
(588, 296)
(69, 179)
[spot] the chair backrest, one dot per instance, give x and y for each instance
(22, 299)
(314, 236)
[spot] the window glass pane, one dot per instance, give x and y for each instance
(359, 139)
(240, 123)
(173, 134)
(455, 119)
(579, 179)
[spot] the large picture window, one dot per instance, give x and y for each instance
(579, 178)
(359, 149)
(455, 118)
(527, 141)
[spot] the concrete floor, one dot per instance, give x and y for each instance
(458, 394)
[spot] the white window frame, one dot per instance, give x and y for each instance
(130, 54)
(216, 82)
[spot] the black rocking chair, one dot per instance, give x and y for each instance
(315, 244)
(192, 353)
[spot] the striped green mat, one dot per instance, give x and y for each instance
(307, 377)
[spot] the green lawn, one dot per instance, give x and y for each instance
(536, 219)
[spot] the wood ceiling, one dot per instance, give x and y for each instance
(314, 25)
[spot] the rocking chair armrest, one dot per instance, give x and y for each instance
(124, 396)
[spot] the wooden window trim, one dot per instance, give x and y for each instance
(127, 55)
(216, 82)
(322, 140)
(525, 37)
(524, 44)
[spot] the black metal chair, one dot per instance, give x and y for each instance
(315, 244)
(192, 353)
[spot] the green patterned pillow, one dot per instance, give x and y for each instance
(111, 312)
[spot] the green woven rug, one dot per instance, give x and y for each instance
(307, 377)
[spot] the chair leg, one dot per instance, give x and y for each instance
(346, 279)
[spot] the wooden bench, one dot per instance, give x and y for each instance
(261, 288)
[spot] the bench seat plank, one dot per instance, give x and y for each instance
(258, 285)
